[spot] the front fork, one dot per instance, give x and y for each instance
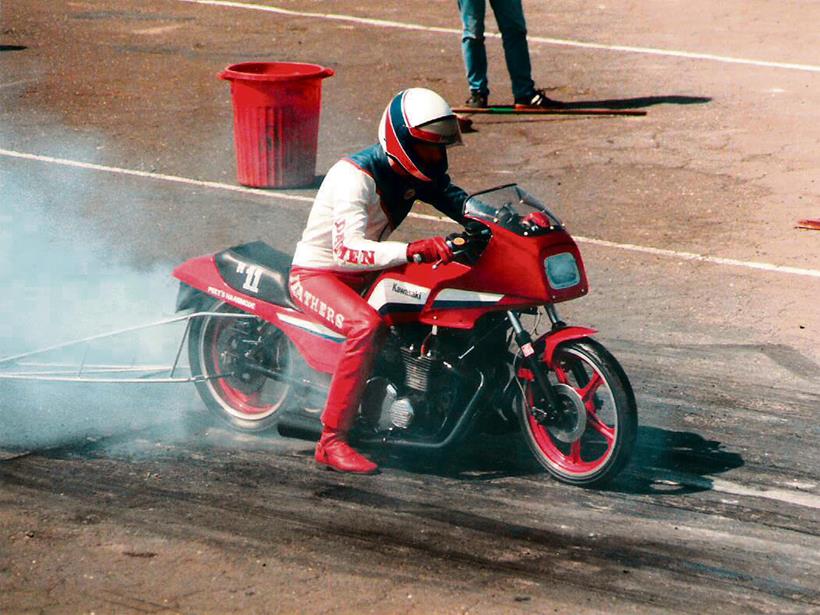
(548, 397)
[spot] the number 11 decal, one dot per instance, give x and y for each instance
(252, 278)
(253, 275)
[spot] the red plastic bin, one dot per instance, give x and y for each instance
(276, 109)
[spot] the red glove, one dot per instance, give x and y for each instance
(430, 250)
(538, 218)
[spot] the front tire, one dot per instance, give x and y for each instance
(246, 400)
(590, 449)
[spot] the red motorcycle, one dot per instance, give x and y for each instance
(458, 356)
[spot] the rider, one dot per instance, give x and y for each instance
(362, 199)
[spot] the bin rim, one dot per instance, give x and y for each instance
(315, 71)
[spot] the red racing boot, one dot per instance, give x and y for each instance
(333, 451)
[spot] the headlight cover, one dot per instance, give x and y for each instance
(562, 271)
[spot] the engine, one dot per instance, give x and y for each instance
(399, 395)
(385, 408)
(418, 369)
(422, 380)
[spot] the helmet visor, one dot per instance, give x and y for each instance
(443, 130)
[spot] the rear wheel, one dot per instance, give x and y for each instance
(596, 434)
(223, 349)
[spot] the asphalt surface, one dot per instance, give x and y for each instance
(116, 163)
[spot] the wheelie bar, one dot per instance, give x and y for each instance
(524, 341)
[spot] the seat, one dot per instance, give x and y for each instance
(257, 270)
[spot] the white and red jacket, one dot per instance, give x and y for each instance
(359, 204)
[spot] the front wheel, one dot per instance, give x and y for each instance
(596, 434)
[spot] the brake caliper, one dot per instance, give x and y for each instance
(544, 417)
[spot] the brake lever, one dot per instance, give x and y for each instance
(457, 245)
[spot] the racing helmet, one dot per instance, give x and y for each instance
(418, 115)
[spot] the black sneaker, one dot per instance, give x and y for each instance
(477, 100)
(538, 100)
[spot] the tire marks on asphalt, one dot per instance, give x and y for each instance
(483, 540)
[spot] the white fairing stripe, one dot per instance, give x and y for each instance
(453, 294)
(310, 326)
(395, 291)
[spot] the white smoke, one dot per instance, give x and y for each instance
(60, 280)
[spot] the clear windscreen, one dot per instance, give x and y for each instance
(508, 206)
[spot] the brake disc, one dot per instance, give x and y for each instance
(574, 420)
(241, 378)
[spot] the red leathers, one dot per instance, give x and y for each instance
(346, 313)
(334, 299)
(362, 199)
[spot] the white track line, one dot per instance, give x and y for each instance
(689, 256)
(382, 23)
(18, 82)
(789, 496)
(171, 178)
(798, 498)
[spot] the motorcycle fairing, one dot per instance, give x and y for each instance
(202, 274)
(394, 294)
(319, 345)
(399, 301)
(510, 275)
(455, 298)
(510, 266)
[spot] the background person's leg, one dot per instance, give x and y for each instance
(472, 44)
(510, 17)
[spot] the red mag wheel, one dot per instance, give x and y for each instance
(596, 434)
(217, 349)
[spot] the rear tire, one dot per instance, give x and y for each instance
(245, 400)
(589, 377)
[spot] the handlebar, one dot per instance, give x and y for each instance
(457, 244)
(460, 243)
